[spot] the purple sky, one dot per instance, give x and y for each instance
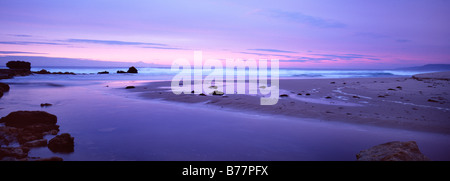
(319, 33)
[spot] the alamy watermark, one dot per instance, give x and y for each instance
(228, 79)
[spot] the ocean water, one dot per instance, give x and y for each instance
(155, 73)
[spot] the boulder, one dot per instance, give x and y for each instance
(4, 87)
(217, 93)
(62, 143)
(21, 119)
(130, 87)
(393, 151)
(121, 72)
(46, 104)
(132, 70)
(104, 72)
(19, 65)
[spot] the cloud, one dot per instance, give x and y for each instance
(18, 52)
(20, 35)
(165, 48)
(345, 56)
(272, 50)
(266, 54)
(111, 42)
(301, 18)
(30, 43)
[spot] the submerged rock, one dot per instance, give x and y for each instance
(62, 143)
(393, 151)
(104, 72)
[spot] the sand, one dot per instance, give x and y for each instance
(404, 103)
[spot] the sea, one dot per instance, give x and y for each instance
(165, 73)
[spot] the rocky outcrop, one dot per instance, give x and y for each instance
(43, 71)
(19, 65)
(22, 119)
(13, 153)
(3, 88)
(132, 70)
(393, 151)
(36, 143)
(104, 72)
(62, 143)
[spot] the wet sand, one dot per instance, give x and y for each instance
(404, 103)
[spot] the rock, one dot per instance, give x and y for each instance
(130, 87)
(104, 72)
(132, 70)
(55, 158)
(46, 104)
(121, 72)
(4, 87)
(284, 95)
(62, 143)
(14, 152)
(328, 97)
(21, 119)
(213, 87)
(307, 94)
(217, 93)
(393, 151)
(19, 65)
(299, 94)
(356, 97)
(432, 100)
(201, 94)
(43, 71)
(391, 89)
(36, 143)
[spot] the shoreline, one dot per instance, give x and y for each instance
(400, 102)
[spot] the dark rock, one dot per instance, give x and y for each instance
(121, 72)
(43, 71)
(21, 119)
(356, 97)
(62, 143)
(393, 151)
(332, 82)
(202, 94)
(15, 152)
(307, 94)
(432, 100)
(299, 94)
(284, 95)
(130, 87)
(36, 143)
(217, 93)
(104, 72)
(399, 87)
(132, 70)
(391, 89)
(4, 87)
(328, 97)
(55, 158)
(46, 104)
(19, 65)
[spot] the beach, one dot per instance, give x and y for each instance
(332, 119)
(404, 103)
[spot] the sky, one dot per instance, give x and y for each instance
(299, 33)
